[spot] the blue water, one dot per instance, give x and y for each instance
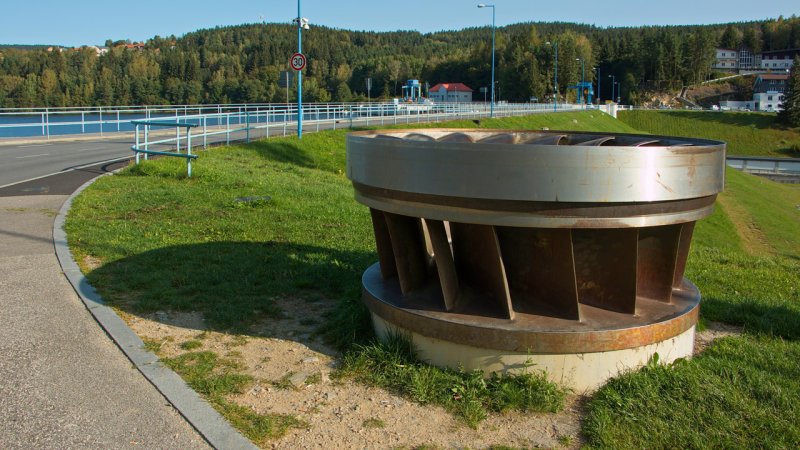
(63, 124)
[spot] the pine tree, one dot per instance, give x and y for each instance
(791, 97)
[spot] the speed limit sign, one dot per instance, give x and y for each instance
(298, 61)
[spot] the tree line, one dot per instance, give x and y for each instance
(242, 64)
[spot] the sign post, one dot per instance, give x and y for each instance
(298, 62)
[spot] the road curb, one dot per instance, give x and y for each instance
(207, 421)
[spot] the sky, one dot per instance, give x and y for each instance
(91, 22)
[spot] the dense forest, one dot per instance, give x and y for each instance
(241, 64)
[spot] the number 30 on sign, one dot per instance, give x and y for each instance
(298, 61)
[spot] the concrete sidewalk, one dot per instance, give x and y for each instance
(63, 382)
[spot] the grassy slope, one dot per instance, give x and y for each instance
(311, 242)
(746, 133)
(743, 392)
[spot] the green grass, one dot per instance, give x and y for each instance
(392, 364)
(191, 345)
(755, 134)
(216, 379)
(167, 242)
(170, 243)
(742, 392)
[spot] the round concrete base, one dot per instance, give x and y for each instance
(579, 371)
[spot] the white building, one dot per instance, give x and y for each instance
(768, 101)
(726, 60)
(450, 92)
(779, 60)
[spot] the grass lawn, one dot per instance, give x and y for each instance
(754, 134)
(150, 239)
(743, 392)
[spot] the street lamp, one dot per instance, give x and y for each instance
(555, 75)
(583, 78)
(619, 88)
(613, 83)
(483, 5)
(302, 24)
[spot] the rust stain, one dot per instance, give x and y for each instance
(669, 189)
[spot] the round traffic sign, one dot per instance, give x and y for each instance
(298, 61)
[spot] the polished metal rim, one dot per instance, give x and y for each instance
(536, 166)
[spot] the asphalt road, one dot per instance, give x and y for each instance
(30, 158)
(26, 161)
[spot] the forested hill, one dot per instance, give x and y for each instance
(242, 63)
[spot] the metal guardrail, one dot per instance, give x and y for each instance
(765, 165)
(137, 150)
(46, 122)
(225, 127)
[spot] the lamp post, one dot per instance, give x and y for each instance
(483, 5)
(555, 75)
(302, 24)
(583, 80)
(598, 84)
(619, 87)
(613, 83)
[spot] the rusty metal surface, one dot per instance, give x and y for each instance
(477, 257)
(383, 243)
(408, 247)
(598, 331)
(541, 271)
(687, 230)
(605, 268)
(589, 167)
(530, 241)
(445, 265)
(657, 260)
(536, 214)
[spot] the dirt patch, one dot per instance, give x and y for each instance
(292, 368)
(713, 331)
(90, 263)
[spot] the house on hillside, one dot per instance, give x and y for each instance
(726, 60)
(450, 92)
(768, 91)
(779, 60)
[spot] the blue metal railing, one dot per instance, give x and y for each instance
(146, 124)
(47, 122)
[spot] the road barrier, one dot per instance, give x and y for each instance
(102, 120)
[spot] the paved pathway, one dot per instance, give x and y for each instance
(63, 382)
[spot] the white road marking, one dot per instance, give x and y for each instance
(65, 171)
(32, 156)
(33, 145)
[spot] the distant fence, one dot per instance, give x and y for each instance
(46, 122)
(786, 170)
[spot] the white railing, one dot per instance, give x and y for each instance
(47, 122)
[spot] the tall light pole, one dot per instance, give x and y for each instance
(583, 79)
(613, 83)
(555, 75)
(302, 23)
(598, 84)
(483, 5)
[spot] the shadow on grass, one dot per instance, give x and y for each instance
(284, 152)
(757, 317)
(234, 284)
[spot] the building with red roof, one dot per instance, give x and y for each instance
(450, 92)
